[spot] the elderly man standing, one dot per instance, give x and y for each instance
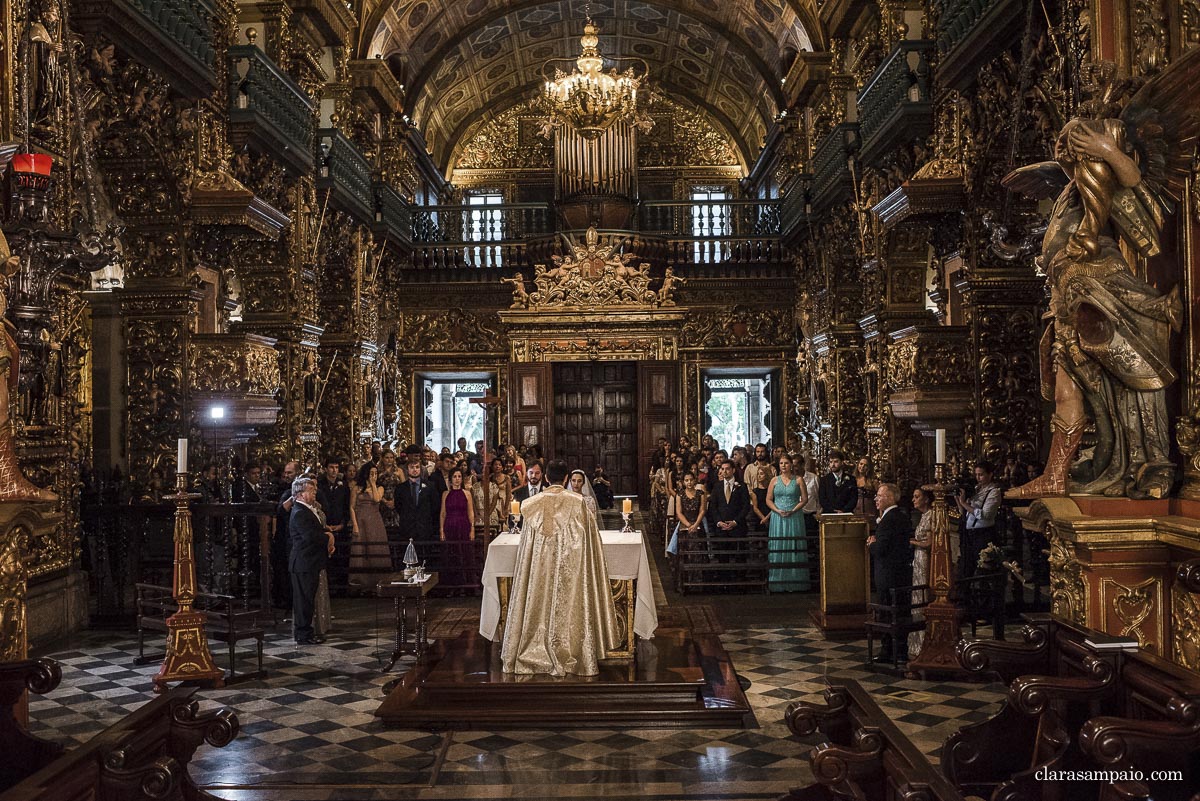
(312, 542)
(891, 556)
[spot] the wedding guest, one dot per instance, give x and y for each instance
(786, 497)
(417, 505)
(281, 583)
(738, 457)
(602, 487)
(500, 492)
(441, 477)
(891, 557)
(312, 543)
(730, 502)
(979, 516)
(690, 509)
(921, 541)
(866, 483)
(838, 491)
(333, 495)
(812, 485)
(518, 464)
(457, 529)
(762, 461)
(760, 512)
(577, 483)
(533, 485)
(369, 552)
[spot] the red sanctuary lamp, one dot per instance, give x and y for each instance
(31, 184)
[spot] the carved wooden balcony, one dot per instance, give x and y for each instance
(373, 82)
(832, 181)
(795, 210)
(970, 33)
(172, 37)
(234, 380)
(393, 216)
(808, 71)
(268, 110)
(895, 106)
(344, 171)
(930, 374)
(333, 18)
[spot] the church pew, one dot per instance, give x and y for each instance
(142, 756)
(864, 756)
(707, 563)
(23, 752)
(1089, 707)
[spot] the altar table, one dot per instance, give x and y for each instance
(628, 572)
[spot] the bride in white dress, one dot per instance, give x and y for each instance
(579, 484)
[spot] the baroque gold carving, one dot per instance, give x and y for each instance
(449, 331)
(1133, 606)
(1185, 628)
(656, 348)
(229, 364)
(14, 578)
(593, 275)
(1068, 592)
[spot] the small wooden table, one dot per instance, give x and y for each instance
(401, 591)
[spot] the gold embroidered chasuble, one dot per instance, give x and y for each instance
(561, 617)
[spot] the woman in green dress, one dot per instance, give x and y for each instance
(786, 545)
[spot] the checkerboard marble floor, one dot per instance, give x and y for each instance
(308, 730)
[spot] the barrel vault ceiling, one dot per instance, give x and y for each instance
(465, 61)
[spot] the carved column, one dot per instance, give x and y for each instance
(1004, 307)
(839, 363)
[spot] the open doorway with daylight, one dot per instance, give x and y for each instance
(449, 414)
(740, 406)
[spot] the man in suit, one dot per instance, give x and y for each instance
(440, 479)
(312, 542)
(536, 483)
(333, 495)
(838, 492)
(891, 557)
(730, 503)
(281, 545)
(418, 506)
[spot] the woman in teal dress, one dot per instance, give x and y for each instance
(786, 497)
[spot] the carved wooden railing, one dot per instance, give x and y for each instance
(343, 170)
(970, 32)
(268, 109)
(711, 220)
(894, 107)
(143, 756)
(832, 181)
(333, 18)
(477, 236)
(124, 544)
(393, 216)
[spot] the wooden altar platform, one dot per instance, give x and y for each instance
(677, 680)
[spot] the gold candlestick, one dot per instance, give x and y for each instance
(187, 657)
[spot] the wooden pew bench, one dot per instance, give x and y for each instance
(24, 754)
(707, 563)
(1077, 704)
(142, 756)
(228, 622)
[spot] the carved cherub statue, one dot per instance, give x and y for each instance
(1106, 354)
(520, 295)
(668, 288)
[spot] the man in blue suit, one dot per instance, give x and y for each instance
(312, 542)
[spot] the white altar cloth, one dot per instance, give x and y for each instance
(624, 558)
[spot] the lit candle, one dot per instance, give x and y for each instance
(515, 508)
(181, 458)
(939, 446)
(627, 506)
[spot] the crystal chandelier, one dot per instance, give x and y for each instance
(590, 99)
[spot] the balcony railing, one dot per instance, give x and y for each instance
(794, 209)
(173, 37)
(709, 219)
(895, 105)
(970, 33)
(393, 215)
(268, 109)
(832, 180)
(343, 169)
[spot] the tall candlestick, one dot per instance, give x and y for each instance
(939, 446)
(181, 458)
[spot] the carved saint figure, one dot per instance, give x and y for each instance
(1105, 355)
(13, 484)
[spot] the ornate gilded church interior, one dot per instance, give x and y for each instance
(863, 333)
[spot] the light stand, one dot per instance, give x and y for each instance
(187, 657)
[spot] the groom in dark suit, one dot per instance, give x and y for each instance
(312, 542)
(891, 556)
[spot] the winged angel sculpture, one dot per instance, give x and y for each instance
(1105, 355)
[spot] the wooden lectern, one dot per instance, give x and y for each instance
(845, 575)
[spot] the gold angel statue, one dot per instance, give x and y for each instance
(13, 484)
(1105, 354)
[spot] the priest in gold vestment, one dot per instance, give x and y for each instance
(561, 618)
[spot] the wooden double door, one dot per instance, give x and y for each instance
(597, 413)
(595, 419)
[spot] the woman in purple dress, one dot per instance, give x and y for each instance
(458, 527)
